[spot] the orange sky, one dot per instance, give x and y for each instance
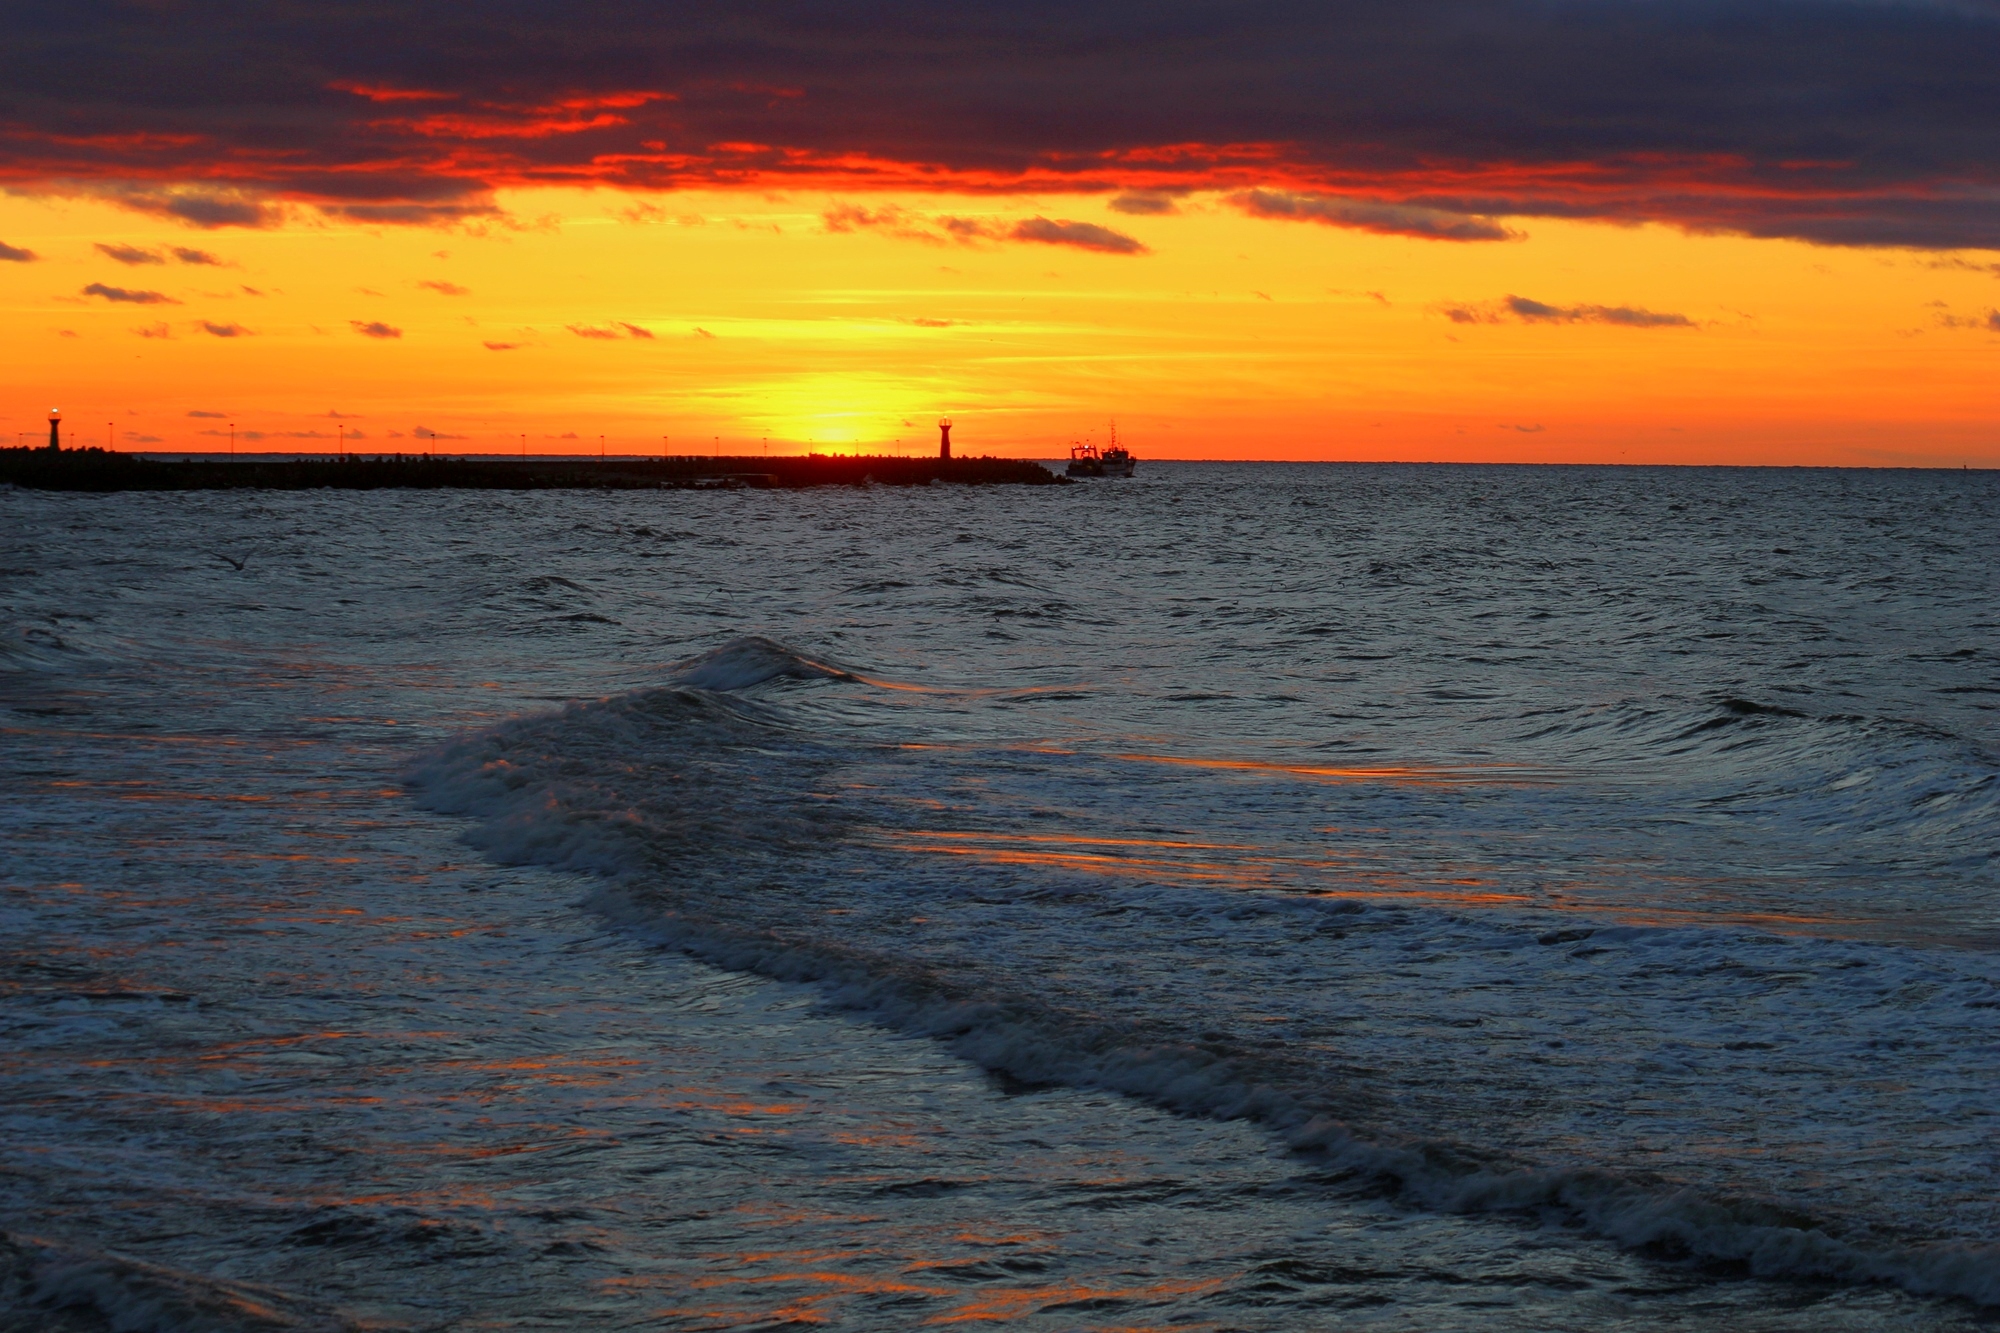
(1230, 337)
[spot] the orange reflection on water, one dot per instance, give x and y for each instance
(803, 1308)
(1431, 895)
(443, 1198)
(192, 796)
(231, 1050)
(275, 1106)
(769, 1213)
(727, 1105)
(1093, 842)
(1037, 1238)
(1095, 861)
(1394, 774)
(883, 1139)
(986, 1306)
(1013, 1303)
(1267, 871)
(1426, 775)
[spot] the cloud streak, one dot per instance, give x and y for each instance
(1989, 322)
(1850, 122)
(1430, 224)
(946, 228)
(1079, 235)
(133, 255)
(1144, 203)
(127, 296)
(1525, 310)
(129, 254)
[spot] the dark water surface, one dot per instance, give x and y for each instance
(1257, 897)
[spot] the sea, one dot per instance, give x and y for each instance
(1244, 897)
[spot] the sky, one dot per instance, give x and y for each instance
(1581, 231)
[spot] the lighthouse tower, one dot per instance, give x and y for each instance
(55, 429)
(944, 437)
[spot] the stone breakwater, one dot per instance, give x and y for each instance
(102, 470)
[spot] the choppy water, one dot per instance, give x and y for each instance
(1247, 897)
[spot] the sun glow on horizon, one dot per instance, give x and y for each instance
(723, 322)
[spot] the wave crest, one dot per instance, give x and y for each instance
(753, 660)
(724, 828)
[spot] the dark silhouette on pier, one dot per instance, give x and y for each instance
(96, 469)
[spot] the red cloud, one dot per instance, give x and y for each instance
(380, 94)
(1836, 122)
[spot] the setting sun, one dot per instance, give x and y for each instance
(734, 320)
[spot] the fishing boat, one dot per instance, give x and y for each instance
(1113, 460)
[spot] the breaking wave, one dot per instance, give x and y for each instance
(752, 660)
(1477, 1060)
(75, 1287)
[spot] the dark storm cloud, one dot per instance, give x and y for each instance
(1853, 122)
(241, 206)
(128, 296)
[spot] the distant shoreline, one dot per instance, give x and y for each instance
(101, 470)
